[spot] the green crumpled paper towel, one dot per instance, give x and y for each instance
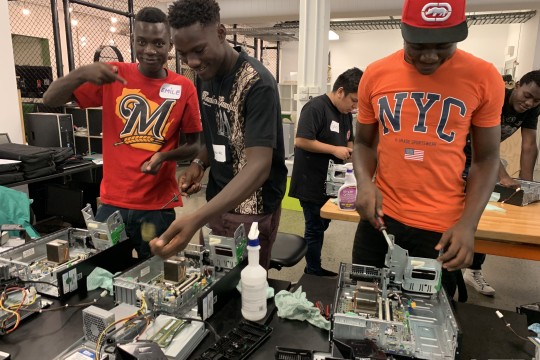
(295, 306)
(100, 278)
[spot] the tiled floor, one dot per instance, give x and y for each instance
(515, 281)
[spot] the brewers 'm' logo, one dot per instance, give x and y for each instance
(145, 121)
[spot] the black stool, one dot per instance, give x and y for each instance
(287, 251)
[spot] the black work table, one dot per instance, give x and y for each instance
(45, 335)
(301, 334)
(230, 315)
(485, 336)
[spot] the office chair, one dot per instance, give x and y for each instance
(287, 251)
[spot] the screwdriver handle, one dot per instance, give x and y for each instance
(380, 221)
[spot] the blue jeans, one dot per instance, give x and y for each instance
(313, 235)
(133, 220)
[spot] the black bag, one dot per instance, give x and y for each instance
(9, 178)
(61, 154)
(9, 168)
(51, 169)
(31, 157)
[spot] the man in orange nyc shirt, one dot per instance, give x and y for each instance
(420, 103)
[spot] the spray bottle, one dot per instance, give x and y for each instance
(253, 279)
(347, 191)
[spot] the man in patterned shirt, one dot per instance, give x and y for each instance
(243, 131)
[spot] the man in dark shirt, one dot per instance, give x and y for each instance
(521, 110)
(324, 133)
(243, 131)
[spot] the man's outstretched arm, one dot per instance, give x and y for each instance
(61, 90)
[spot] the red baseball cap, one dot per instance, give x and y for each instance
(429, 22)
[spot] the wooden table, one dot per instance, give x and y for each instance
(514, 233)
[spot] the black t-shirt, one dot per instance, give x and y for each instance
(511, 121)
(238, 111)
(319, 120)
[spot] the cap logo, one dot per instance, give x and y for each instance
(436, 12)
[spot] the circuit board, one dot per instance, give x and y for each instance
(177, 284)
(171, 297)
(32, 262)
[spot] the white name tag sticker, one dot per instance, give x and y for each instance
(170, 91)
(334, 126)
(219, 153)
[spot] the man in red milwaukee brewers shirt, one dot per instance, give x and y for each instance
(145, 107)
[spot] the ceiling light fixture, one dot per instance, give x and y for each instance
(25, 11)
(114, 20)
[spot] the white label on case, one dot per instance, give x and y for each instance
(28, 253)
(145, 271)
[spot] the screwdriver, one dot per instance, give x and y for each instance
(174, 198)
(382, 228)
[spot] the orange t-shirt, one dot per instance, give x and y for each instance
(423, 123)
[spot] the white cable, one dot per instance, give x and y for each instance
(501, 316)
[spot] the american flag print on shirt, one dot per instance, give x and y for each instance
(413, 154)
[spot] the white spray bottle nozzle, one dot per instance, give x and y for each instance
(253, 236)
(254, 231)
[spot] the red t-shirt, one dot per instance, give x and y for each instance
(139, 119)
(423, 123)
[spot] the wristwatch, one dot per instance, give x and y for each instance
(200, 163)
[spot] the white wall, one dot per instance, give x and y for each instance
(363, 47)
(288, 61)
(360, 48)
(527, 46)
(488, 42)
(10, 121)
